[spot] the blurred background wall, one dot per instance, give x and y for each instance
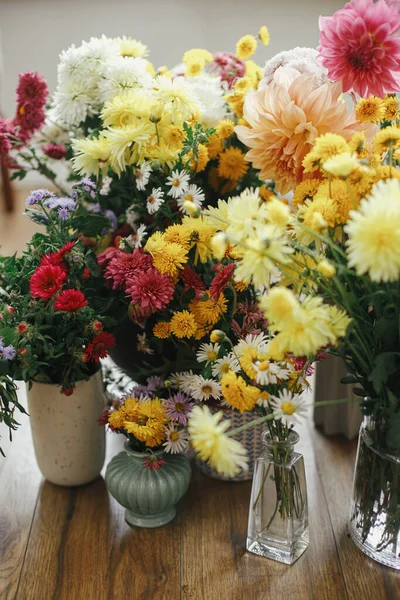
(33, 32)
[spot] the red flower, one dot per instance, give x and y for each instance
(192, 281)
(57, 258)
(46, 281)
(32, 90)
(150, 289)
(22, 328)
(105, 257)
(56, 151)
(10, 310)
(67, 391)
(152, 462)
(97, 326)
(70, 301)
(103, 418)
(221, 280)
(99, 347)
(5, 143)
(86, 273)
(124, 265)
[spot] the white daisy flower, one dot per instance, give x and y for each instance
(142, 175)
(135, 240)
(179, 182)
(155, 200)
(204, 389)
(288, 406)
(179, 379)
(269, 372)
(105, 186)
(192, 194)
(187, 381)
(177, 440)
(225, 364)
(208, 353)
(259, 342)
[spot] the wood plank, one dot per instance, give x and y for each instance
(214, 528)
(81, 547)
(364, 578)
(19, 485)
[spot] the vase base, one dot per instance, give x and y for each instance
(275, 552)
(150, 521)
(384, 557)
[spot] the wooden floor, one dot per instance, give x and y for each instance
(74, 544)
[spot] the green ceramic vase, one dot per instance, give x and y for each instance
(149, 495)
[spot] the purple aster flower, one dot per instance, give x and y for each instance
(67, 203)
(9, 352)
(63, 213)
(74, 194)
(112, 218)
(96, 208)
(154, 383)
(37, 196)
(178, 407)
(86, 183)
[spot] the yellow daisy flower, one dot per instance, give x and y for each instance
(225, 128)
(246, 46)
(183, 324)
(370, 110)
(391, 104)
(232, 164)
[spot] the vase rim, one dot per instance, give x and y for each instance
(143, 454)
(58, 384)
(291, 440)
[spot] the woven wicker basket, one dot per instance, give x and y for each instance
(250, 439)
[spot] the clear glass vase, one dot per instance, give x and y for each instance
(278, 515)
(374, 523)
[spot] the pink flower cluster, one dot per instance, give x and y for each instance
(360, 45)
(227, 66)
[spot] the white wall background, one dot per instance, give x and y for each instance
(33, 32)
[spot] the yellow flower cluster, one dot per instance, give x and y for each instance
(145, 420)
(375, 110)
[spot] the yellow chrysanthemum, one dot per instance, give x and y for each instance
(338, 321)
(386, 139)
(197, 55)
(391, 104)
(311, 162)
(280, 306)
(209, 440)
(264, 35)
(328, 145)
(194, 68)
(265, 193)
(387, 172)
(343, 197)
(361, 182)
(278, 212)
(341, 165)
(183, 324)
(131, 47)
(370, 110)
(208, 311)
(162, 330)
(236, 102)
(91, 156)
(177, 234)
(150, 68)
(170, 258)
(174, 136)
(326, 269)
(218, 216)
(374, 233)
(126, 143)
(232, 164)
(149, 425)
(254, 71)
(200, 233)
(243, 84)
(198, 163)
(357, 144)
(324, 207)
(214, 146)
(306, 190)
(225, 128)
(237, 393)
(127, 108)
(247, 361)
(155, 243)
(246, 46)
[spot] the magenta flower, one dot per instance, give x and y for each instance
(178, 407)
(150, 290)
(359, 45)
(124, 265)
(227, 66)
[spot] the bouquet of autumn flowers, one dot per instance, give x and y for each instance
(55, 313)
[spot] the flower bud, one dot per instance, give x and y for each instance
(219, 244)
(217, 336)
(193, 210)
(326, 269)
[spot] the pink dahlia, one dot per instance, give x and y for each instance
(149, 289)
(359, 45)
(123, 266)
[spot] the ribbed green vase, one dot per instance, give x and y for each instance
(149, 495)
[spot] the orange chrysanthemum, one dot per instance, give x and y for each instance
(284, 121)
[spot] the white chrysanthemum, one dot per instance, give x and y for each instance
(269, 372)
(123, 74)
(142, 176)
(210, 441)
(177, 96)
(225, 364)
(135, 240)
(258, 341)
(208, 353)
(244, 213)
(132, 217)
(155, 200)
(72, 66)
(303, 60)
(374, 233)
(131, 137)
(177, 440)
(204, 389)
(288, 406)
(181, 380)
(179, 182)
(192, 194)
(209, 90)
(72, 102)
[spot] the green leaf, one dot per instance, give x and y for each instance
(349, 379)
(37, 216)
(90, 224)
(393, 435)
(385, 365)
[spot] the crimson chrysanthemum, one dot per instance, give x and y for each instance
(32, 90)
(98, 348)
(6, 129)
(46, 281)
(123, 266)
(70, 301)
(150, 289)
(359, 45)
(192, 281)
(221, 280)
(55, 151)
(57, 258)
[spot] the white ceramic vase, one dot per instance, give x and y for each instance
(69, 444)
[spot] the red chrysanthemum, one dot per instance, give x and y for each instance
(123, 266)
(32, 90)
(6, 129)
(57, 258)
(46, 281)
(70, 301)
(105, 257)
(192, 281)
(98, 348)
(152, 462)
(86, 273)
(221, 280)
(359, 45)
(103, 418)
(149, 289)
(55, 151)
(28, 120)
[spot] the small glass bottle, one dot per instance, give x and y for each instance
(278, 515)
